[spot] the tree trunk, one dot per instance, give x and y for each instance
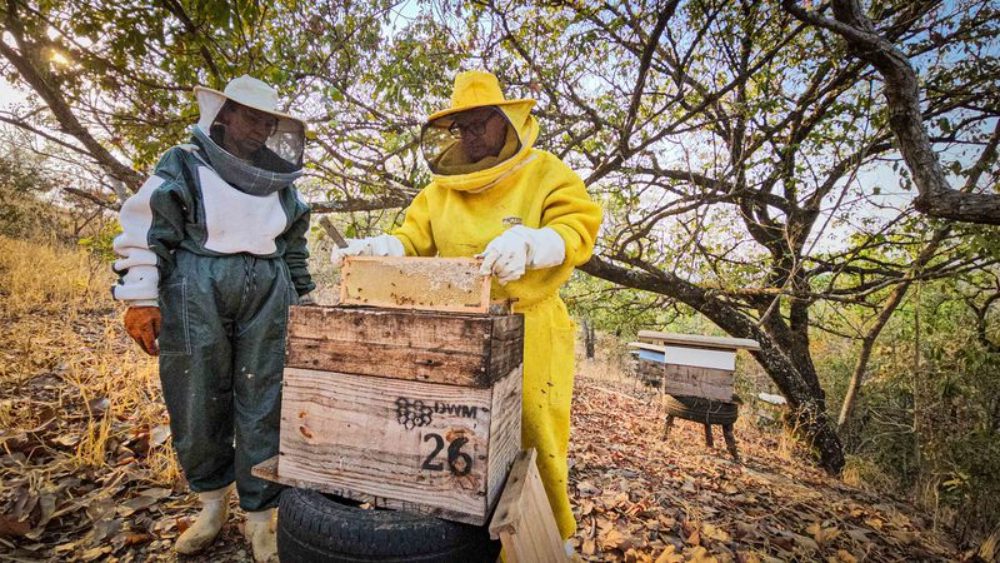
(807, 408)
(895, 298)
(589, 338)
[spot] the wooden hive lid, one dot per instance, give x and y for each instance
(697, 341)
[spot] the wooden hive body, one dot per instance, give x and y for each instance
(406, 409)
(690, 365)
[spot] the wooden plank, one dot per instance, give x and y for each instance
(412, 442)
(646, 346)
(650, 372)
(692, 374)
(439, 284)
(268, 470)
(453, 348)
(523, 521)
(505, 432)
(699, 341)
(685, 383)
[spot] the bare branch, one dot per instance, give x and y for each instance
(936, 196)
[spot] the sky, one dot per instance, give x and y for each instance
(9, 95)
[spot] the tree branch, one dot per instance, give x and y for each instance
(936, 197)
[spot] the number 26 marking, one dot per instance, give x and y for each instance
(459, 462)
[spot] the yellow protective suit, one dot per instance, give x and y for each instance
(458, 215)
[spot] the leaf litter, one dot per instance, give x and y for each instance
(640, 498)
(86, 474)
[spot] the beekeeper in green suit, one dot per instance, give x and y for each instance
(212, 253)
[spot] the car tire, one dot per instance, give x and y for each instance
(316, 527)
(700, 409)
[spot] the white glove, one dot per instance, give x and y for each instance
(519, 249)
(382, 245)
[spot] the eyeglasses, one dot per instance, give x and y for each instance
(472, 128)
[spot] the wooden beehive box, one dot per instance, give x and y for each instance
(691, 365)
(413, 410)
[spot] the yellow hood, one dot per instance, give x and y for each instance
(475, 89)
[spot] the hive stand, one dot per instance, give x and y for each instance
(727, 434)
(696, 370)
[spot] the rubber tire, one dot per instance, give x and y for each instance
(700, 409)
(316, 527)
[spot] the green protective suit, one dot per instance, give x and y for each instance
(223, 266)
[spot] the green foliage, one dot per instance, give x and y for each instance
(101, 243)
(929, 416)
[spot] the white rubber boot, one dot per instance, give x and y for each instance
(261, 532)
(214, 512)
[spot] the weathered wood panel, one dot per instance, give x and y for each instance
(650, 372)
(505, 430)
(698, 341)
(412, 442)
(698, 382)
(458, 349)
(439, 284)
(269, 470)
(524, 522)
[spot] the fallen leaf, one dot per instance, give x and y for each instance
(701, 555)
(635, 556)
(100, 508)
(10, 526)
(694, 538)
(587, 489)
(875, 523)
(822, 535)
(156, 493)
(805, 542)
(95, 553)
(715, 533)
(670, 555)
(67, 440)
(99, 406)
(183, 523)
(159, 435)
(613, 539)
(135, 504)
(126, 539)
(47, 506)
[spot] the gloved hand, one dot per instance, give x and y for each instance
(143, 325)
(307, 300)
(382, 245)
(519, 249)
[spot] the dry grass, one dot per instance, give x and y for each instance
(67, 365)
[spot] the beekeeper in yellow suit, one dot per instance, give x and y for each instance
(529, 215)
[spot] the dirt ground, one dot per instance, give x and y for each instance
(87, 473)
